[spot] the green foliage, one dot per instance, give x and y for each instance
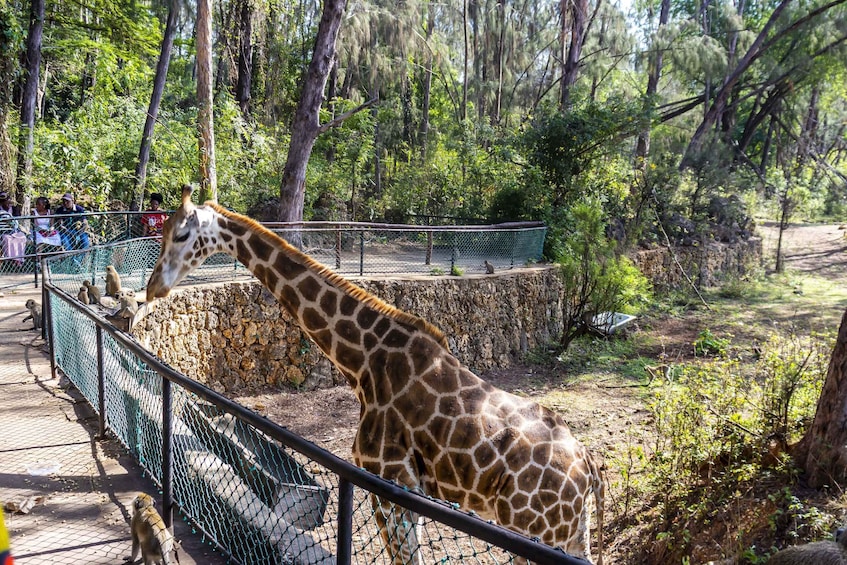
(562, 146)
(708, 343)
(596, 279)
(711, 427)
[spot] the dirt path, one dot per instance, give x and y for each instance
(819, 249)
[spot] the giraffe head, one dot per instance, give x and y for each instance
(189, 236)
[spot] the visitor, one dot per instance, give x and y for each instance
(12, 238)
(45, 233)
(154, 218)
(72, 230)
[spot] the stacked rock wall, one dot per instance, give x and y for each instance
(235, 337)
(707, 265)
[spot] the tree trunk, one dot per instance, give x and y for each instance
(573, 28)
(427, 82)
(711, 116)
(205, 103)
(30, 95)
(245, 58)
(9, 67)
(463, 113)
(153, 109)
(822, 452)
(500, 61)
(306, 126)
(642, 147)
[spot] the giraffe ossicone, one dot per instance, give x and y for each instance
(427, 422)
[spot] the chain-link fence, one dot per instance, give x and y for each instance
(25, 240)
(256, 490)
(348, 248)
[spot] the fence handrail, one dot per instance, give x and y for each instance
(434, 509)
(324, 225)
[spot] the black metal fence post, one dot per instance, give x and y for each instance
(361, 252)
(101, 386)
(47, 306)
(344, 547)
(167, 453)
(337, 249)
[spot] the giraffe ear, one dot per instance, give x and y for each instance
(186, 196)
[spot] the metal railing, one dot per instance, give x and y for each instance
(256, 490)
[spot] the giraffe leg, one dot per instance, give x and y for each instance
(398, 528)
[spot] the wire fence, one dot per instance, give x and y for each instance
(352, 249)
(259, 492)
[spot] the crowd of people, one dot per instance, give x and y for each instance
(63, 228)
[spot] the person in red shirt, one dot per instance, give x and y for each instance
(153, 219)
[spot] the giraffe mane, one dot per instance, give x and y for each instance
(334, 278)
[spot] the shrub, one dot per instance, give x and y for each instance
(596, 278)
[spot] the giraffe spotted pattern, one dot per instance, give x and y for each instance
(426, 422)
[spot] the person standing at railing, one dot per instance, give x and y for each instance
(72, 230)
(45, 234)
(153, 219)
(14, 240)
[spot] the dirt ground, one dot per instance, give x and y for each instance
(604, 407)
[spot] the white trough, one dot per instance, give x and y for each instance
(608, 323)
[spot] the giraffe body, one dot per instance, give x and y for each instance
(426, 421)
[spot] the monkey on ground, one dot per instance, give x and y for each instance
(34, 313)
(489, 268)
(93, 292)
(817, 553)
(82, 296)
(113, 281)
(149, 534)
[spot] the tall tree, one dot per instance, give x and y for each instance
(155, 100)
(306, 125)
(30, 96)
(822, 452)
(574, 22)
(654, 72)
(205, 102)
(245, 57)
(765, 40)
(10, 37)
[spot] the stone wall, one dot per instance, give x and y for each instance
(235, 337)
(707, 264)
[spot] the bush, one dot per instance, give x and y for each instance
(596, 278)
(713, 433)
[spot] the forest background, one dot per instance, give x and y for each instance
(442, 112)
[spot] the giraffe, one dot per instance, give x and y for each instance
(426, 421)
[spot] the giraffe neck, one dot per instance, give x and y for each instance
(346, 323)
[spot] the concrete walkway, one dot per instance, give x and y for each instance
(82, 488)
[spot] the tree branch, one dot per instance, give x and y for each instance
(340, 119)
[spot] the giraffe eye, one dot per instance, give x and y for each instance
(181, 238)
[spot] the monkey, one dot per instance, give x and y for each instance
(93, 292)
(127, 300)
(664, 370)
(818, 553)
(82, 296)
(113, 281)
(149, 533)
(34, 313)
(489, 268)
